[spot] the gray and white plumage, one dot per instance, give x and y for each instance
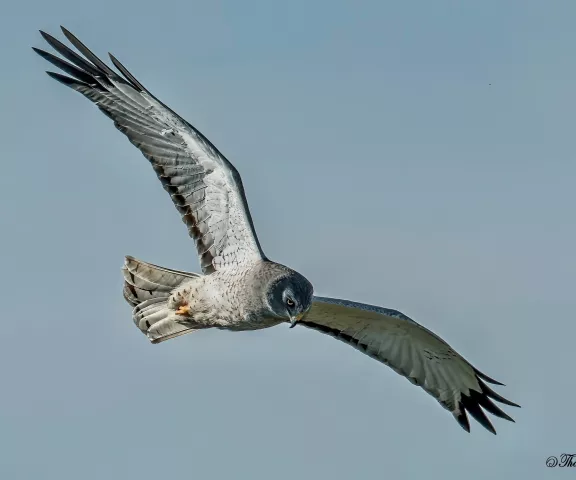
(240, 288)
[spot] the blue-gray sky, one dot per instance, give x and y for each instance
(416, 155)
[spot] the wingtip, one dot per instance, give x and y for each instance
(465, 424)
(127, 75)
(495, 396)
(490, 428)
(462, 420)
(486, 378)
(46, 36)
(113, 59)
(40, 52)
(43, 53)
(68, 34)
(68, 81)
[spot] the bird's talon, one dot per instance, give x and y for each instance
(184, 310)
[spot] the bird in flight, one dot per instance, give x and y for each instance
(240, 288)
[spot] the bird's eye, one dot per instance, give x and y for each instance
(289, 302)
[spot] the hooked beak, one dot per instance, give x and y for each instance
(295, 319)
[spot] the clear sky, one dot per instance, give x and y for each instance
(416, 155)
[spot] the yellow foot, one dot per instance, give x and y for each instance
(184, 310)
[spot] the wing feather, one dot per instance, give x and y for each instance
(204, 186)
(412, 351)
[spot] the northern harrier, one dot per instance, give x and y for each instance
(240, 288)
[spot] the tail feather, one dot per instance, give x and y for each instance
(167, 329)
(150, 311)
(146, 280)
(147, 288)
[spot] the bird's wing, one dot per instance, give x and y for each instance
(204, 186)
(412, 351)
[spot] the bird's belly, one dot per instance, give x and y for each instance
(252, 322)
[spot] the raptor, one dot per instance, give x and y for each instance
(240, 288)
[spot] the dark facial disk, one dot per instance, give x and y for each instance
(290, 296)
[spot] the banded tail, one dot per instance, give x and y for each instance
(147, 288)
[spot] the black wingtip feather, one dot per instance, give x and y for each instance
(486, 378)
(473, 408)
(489, 406)
(135, 83)
(476, 402)
(88, 53)
(462, 419)
(70, 55)
(68, 81)
(65, 66)
(486, 390)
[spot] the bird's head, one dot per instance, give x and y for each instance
(290, 297)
